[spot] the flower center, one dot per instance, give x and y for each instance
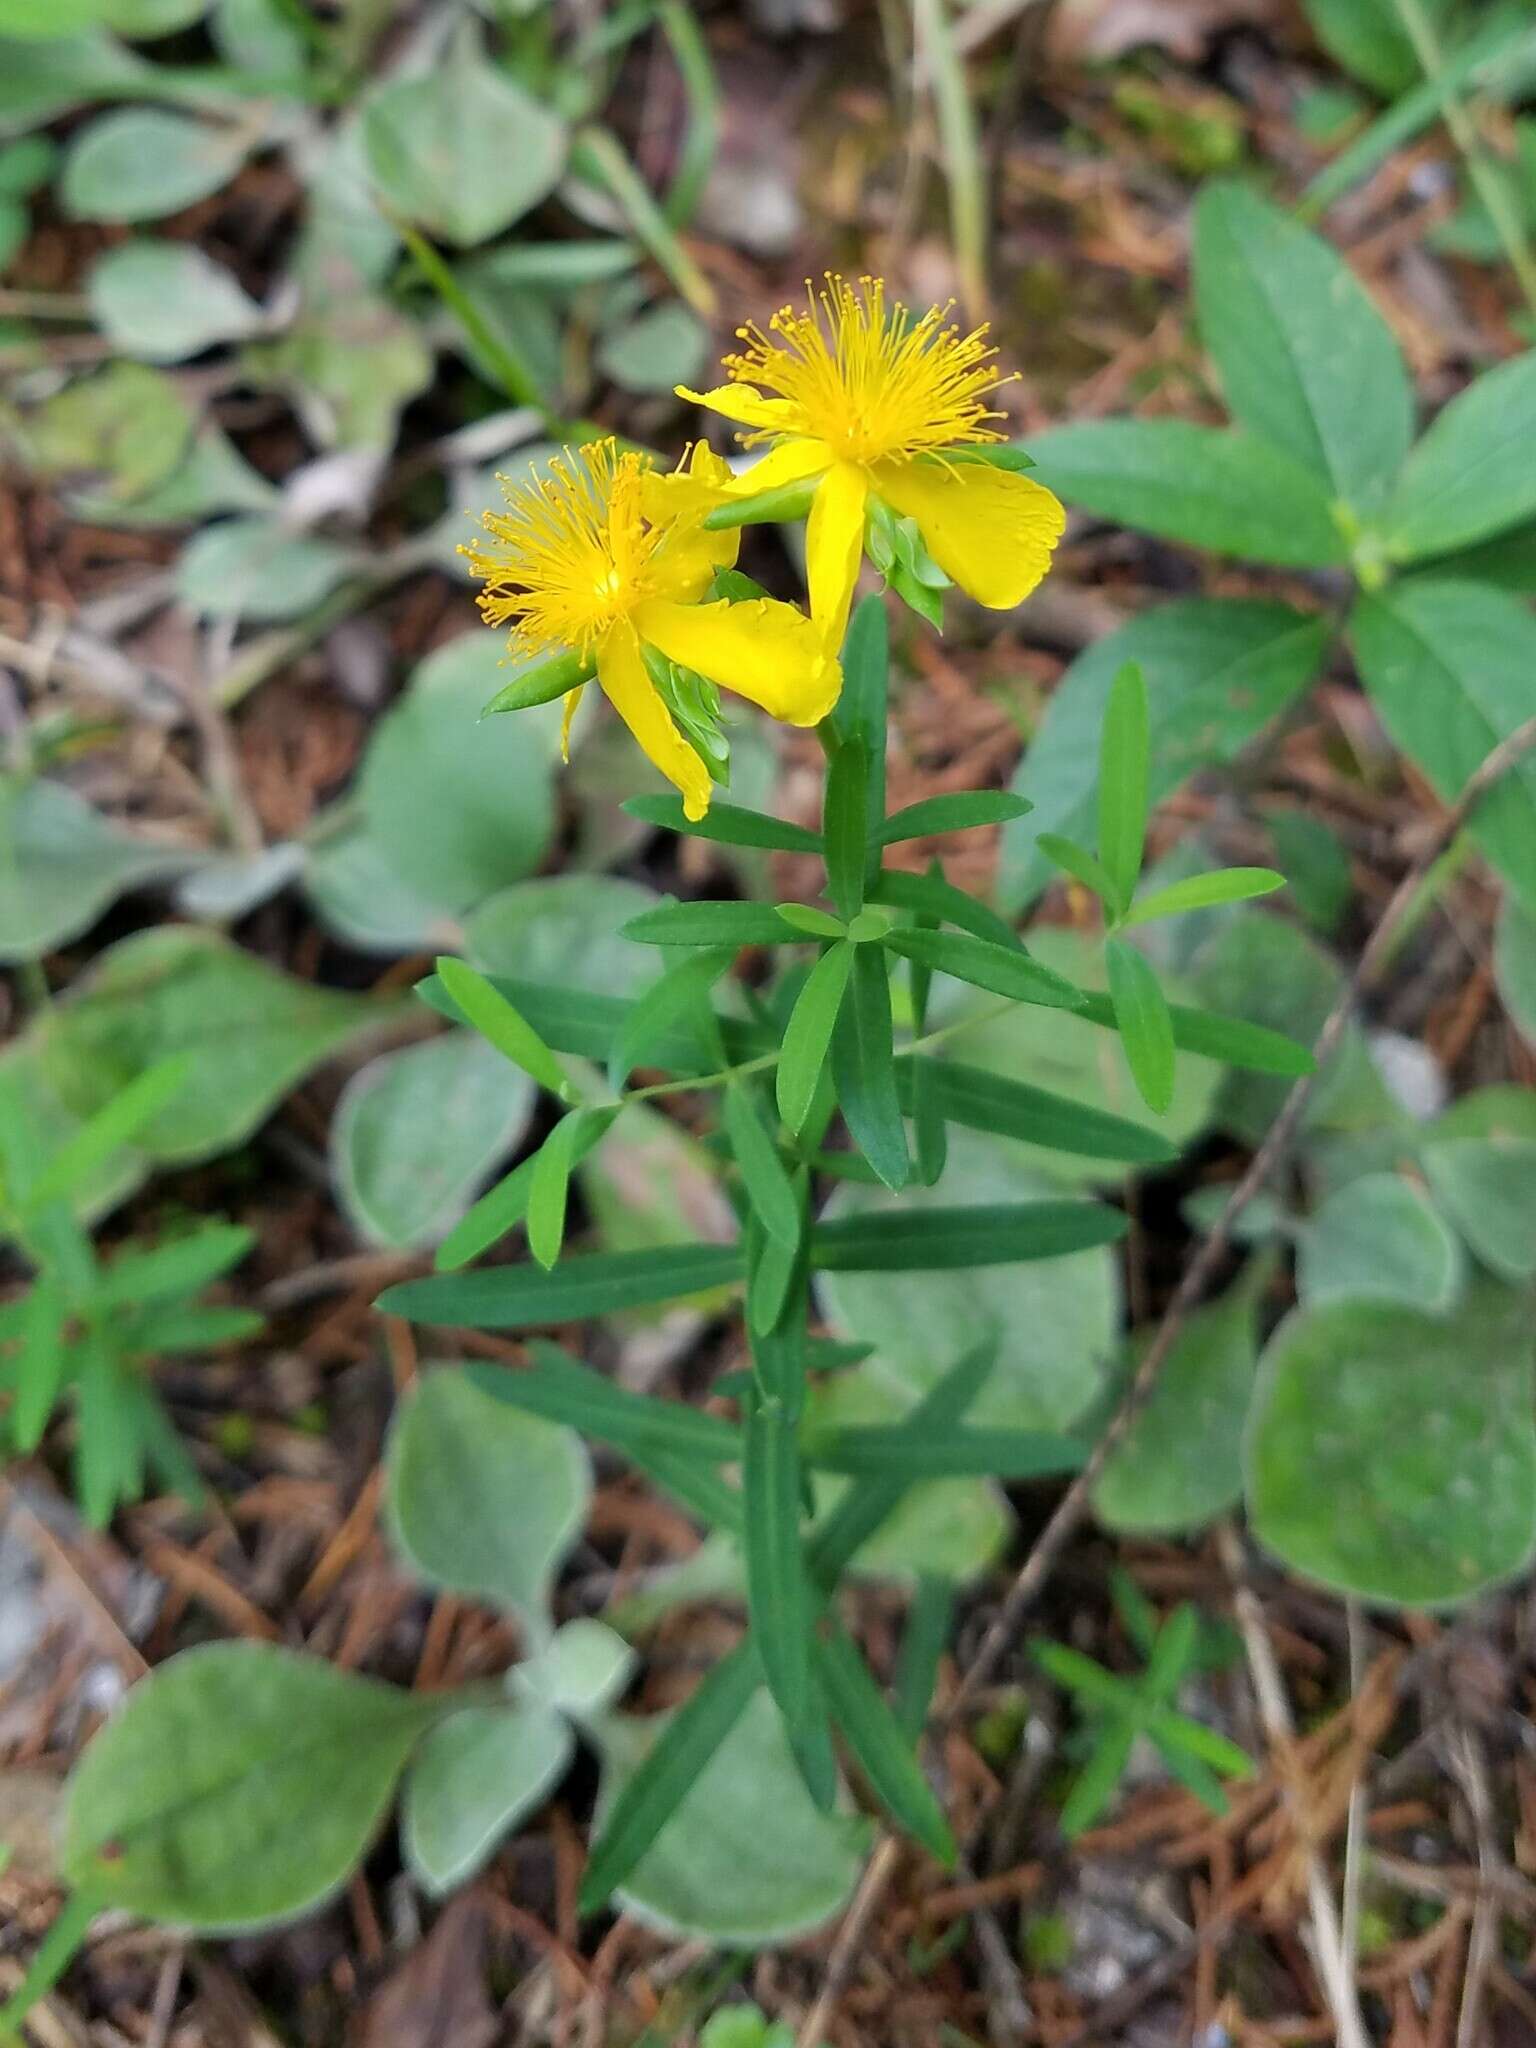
(866, 378)
(573, 551)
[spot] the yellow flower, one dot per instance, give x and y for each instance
(608, 558)
(859, 402)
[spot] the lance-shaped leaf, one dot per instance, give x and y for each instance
(1004, 970)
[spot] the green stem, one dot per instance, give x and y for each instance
(1491, 188)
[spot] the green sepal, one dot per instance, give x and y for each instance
(539, 685)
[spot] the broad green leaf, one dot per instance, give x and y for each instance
(462, 809)
(462, 149)
(1146, 1029)
(653, 1187)
(727, 824)
(239, 1786)
(1217, 671)
(1200, 892)
(962, 812)
(416, 1132)
(1180, 1465)
(1056, 1320)
(125, 424)
(863, 1069)
(362, 897)
(944, 1239)
(846, 826)
(252, 567)
(1379, 1239)
(1468, 478)
(46, 67)
(779, 1605)
(1487, 1187)
(1514, 965)
(526, 1297)
(565, 930)
(484, 1499)
(475, 1776)
(1448, 667)
(656, 351)
(1306, 361)
(165, 301)
(1316, 866)
(1124, 749)
(582, 1671)
(1212, 488)
(768, 1186)
(1005, 970)
(808, 1035)
(248, 1034)
(744, 1860)
(1392, 1454)
(710, 924)
(560, 1390)
(881, 1746)
(141, 163)
(1367, 37)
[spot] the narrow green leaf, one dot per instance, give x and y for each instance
(1199, 892)
(1081, 865)
(1146, 1029)
(767, 1183)
(709, 924)
(1189, 1772)
(560, 1390)
(727, 824)
(846, 826)
(112, 1127)
(178, 1268)
(657, 1789)
(860, 712)
(890, 1450)
(549, 1189)
(190, 1329)
(1096, 1782)
(698, 1488)
(1124, 756)
(1002, 969)
(869, 1503)
(817, 924)
(984, 1101)
(808, 1035)
(771, 1270)
(489, 1011)
(42, 1364)
(787, 504)
(1088, 1679)
(1230, 1039)
(922, 1645)
(863, 1068)
(931, 896)
(680, 998)
(1180, 1732)
(778, 1597)
(884, 1753)
(961, 812)
(500, 1209)
(937, 1240)
(526, 1297)
(543, 683)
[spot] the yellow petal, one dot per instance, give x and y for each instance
(743, 403)
(622, 673)
(572, 700)
(687, 559)
(763, 650)
(992, 530)
(794, 461)
(834, 542)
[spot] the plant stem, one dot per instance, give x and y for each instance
(1491, 188)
